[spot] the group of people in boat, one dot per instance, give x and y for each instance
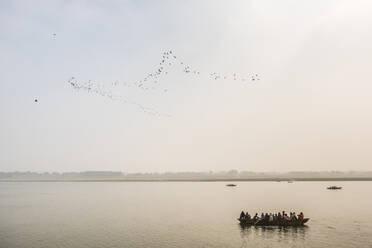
(270, 217)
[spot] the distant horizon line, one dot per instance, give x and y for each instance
(176, 172)
(231, 175)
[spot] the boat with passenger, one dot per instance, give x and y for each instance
(280, 219)
(334, 187)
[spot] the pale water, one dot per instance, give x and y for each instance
(181, 214)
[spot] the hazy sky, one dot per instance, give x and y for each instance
(310, 111)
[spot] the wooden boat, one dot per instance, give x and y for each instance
(230, 185)
(260, 222)
(334, 187)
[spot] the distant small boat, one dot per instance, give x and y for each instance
(290, 181)
(334, 187)
(230, 185)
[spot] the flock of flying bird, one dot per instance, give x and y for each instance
(152, 81)
(101, 91)
(169, 60)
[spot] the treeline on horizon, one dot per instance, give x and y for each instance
(210, 175)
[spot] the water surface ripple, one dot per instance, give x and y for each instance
(180, 214)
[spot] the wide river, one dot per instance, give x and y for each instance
(181, 214)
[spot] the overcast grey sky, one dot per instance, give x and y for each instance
(310, 111)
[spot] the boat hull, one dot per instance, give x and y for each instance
(273, 223)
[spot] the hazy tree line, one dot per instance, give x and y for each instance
(210, 175)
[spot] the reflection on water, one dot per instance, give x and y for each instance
(280, 234)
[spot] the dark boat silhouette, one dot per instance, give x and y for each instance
(260, 222)
(230, 185)
(334, 187)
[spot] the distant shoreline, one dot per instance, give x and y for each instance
(320, 179)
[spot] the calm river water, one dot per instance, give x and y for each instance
(181, 214)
